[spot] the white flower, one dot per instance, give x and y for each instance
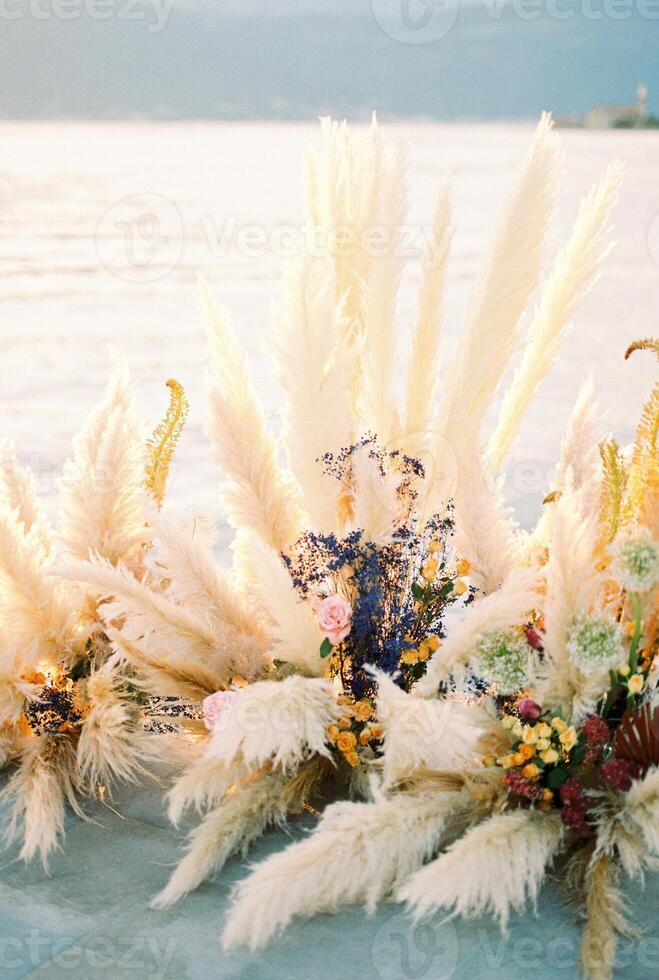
(596, 642)
(506, 659)
(637, 563)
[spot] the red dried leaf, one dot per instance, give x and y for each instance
(637, 737)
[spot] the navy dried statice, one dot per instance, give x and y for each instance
(397, 590)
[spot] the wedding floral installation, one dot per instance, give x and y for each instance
(71, 722)
(482, 699)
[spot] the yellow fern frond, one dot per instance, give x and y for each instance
(650, 343)
(613, 488)
(162, 444)
(642, 499)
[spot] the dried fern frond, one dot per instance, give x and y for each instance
(161, 445)
(614, 482)
(649, 343)
(642, 500)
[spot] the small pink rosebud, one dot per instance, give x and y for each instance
(335, 618)
(528, 710)
(214, 705)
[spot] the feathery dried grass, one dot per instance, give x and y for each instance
(38, 792)
(279, 722)
(509, 281)
(488, 870)
(112, 746)
(575, 270)
(258, 495)
(360, 852)
(313, 370)
(103, 483)
(605, 919)
(423, 368)
(230, 828)
(18, 493)
(161, 445)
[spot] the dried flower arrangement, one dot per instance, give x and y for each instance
(347, 557)
(71, 723)
(569, 755)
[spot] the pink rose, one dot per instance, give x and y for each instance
(214, 705)
(335, 618)
(529, 710)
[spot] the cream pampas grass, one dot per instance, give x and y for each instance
(258, 495)
(575, 269)
(508, 283)
(246, 813)
(18, 494)
(313, 369)
(113, 746)
(102, 485)
(293, 627)
(485, 533)
(419, 732)
(359, 853)
(282, 723)
(38, 793)
(423, 370)
(70, 722)
(487, 871)
(379, 299)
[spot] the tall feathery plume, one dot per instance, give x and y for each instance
(18, 494)
(231, 828)
(423, 370)
(573, 586)
(359, 853)
(258, 494)
(313, 369)
(510, 280)
(295, 636)
(576, 268)
(485, 533)
(642, 499)
(197, 582)
(102, 484)
(379, 296)
(36, 613)
(486, 871)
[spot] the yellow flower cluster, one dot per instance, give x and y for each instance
(548, 741)
(346, 734)
(421, 653)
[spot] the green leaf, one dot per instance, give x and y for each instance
(418, 591)
(445, 590)
(557, 777)
(326, 648)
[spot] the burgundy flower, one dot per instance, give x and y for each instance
(534, 638)
(575, 804)
(619, 773)
(596, 730)
(528, 710)
(516, 783)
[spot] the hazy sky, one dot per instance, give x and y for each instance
(298, 58)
